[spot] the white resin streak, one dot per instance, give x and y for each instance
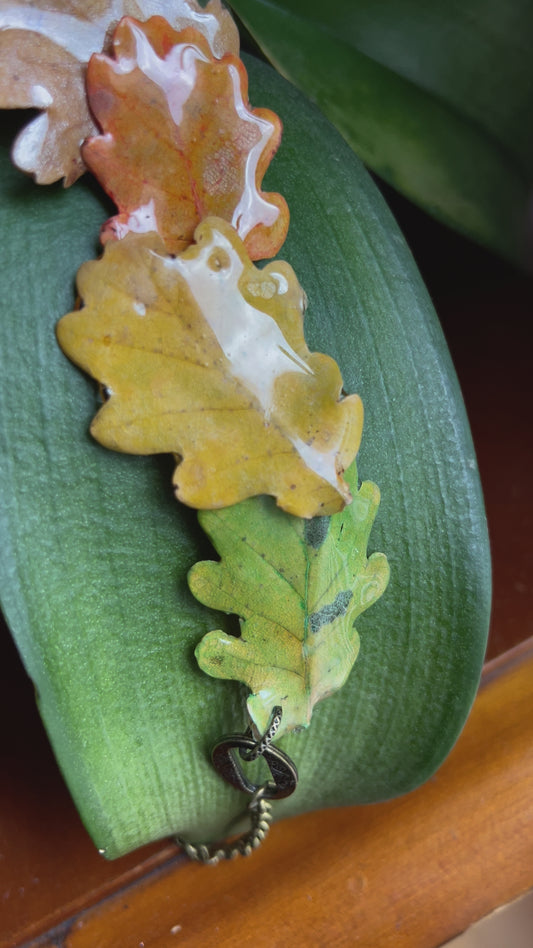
(81, 38)
(29, 142)
(140, 221)
(175, 75)
(251, 340)
(252, 208)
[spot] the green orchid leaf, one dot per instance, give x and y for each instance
(95, 550)
(299, 586)
(436, 98)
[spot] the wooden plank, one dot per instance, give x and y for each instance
(410, 872)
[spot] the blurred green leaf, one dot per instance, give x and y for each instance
(95, 549)
(436, 98)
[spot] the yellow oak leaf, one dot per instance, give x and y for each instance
(45, 46)
(180, 142)
(203, 355)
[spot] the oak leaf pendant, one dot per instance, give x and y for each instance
(203, 355)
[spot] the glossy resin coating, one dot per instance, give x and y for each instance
(45, 46)
(299, 587)
(180, 140)
(203, 355)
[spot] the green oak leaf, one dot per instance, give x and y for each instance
(299, 586)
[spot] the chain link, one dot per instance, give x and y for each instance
(260, 811)
(259, 808)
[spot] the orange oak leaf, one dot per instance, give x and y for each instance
(180, 140)
(203, 355)
(45, 46)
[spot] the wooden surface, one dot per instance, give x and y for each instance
(411, 872)
(418, 869)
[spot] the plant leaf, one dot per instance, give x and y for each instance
(209, 150)
(95, 549)
(436, 98)
(299, 587)
(44, 49)
(204, 356)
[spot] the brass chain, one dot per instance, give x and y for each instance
(260, 811)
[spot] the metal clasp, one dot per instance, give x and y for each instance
(284, 779)
(282, 769)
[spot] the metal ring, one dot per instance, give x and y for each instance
(285, 778)
(282, 769)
